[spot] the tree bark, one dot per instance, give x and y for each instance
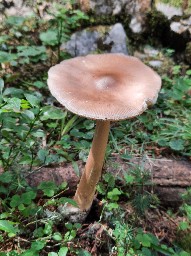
(170, 177)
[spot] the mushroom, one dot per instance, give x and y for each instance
(104, 87)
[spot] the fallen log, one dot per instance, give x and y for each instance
(170, 177)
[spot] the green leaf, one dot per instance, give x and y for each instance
(50, 37)
(33, 100)
(76, 168)
(57, 236)
(38, 133)
(146, 252)
(52, 254)
(29, 114)
(69, 225)
(114, 194)
(6, 177)
(39, 84)
(146, 240)
(183, 254)
(43, 154)
(48, 228)
(183, 225)
(7, 227)
(33, 51)
(112, 206)
(15, 201)
(13, 104)
(129, 178)
(15, 20)
(38, 245)
(27, 197)
(88, 124)
(21, 207)
(53, 113)
(188, 72)
(30, 252)
(48, 187)
(6, 57)
(63, 251)
(64, 200)
(82, 252)
(177, 144)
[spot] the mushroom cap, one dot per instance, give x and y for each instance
(104, 86)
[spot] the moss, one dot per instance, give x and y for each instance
(176, 3)
(185, 4)
(183, 240)
(188, 53)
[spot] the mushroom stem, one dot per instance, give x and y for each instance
(86, 189)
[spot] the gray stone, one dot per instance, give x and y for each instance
(155, 63)
(86, 41)
(150, 51)
(108, 7)
(117, 37)
(81, 43)
(181, 26)
(168, 10)
(135, 25)
(135, 9)
(17, 8)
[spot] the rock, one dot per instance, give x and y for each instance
(107, 39)
(181, 26)
(155, 63)
(16, 8)
(135, 25)
(136, 10)
(168, 10)
(150, 51)
(117, 38)
(81, 43)
(25, 8)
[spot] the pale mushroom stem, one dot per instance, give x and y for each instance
(86, 189)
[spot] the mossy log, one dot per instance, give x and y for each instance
(170, 177)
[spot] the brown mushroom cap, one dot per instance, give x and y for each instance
(105, 86)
